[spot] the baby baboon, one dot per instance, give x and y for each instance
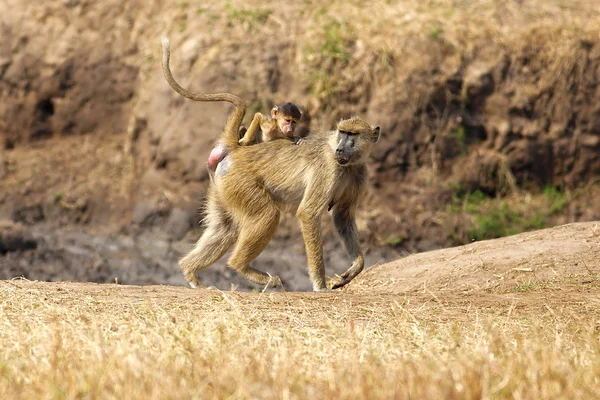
(281, 124)
(253, 185)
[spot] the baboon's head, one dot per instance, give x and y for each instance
(287, 116)
(353, 140)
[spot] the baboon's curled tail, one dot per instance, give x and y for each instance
(230, 135)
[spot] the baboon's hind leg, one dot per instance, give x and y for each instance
(219, 236)
(255, 234)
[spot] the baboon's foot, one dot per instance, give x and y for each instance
(193, 281)
(259, 277)
(244, 142)
(275, 282)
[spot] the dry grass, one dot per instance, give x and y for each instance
(89, 341)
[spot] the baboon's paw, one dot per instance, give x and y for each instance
(275, 282)
(339, 281)
(195, 284)
(346, 274)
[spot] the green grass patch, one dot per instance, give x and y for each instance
(524, 287)
(329, 51)
(558, 200)
(334, 45)
(497, 217)
(435, 33)
(459, 134)
(395, 240)
(251, 16)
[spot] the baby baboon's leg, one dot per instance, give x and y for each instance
(255, 233)
(248, 136)
(219, 236)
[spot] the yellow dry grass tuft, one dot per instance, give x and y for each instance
(108, 341)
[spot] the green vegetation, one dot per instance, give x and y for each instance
(326, 55)
(395, 240)
(524, 287)
(498, 217)
(334, 45)
(459, 134)
(557, 199)
(435, 33)
(250, 16)
(503, 220)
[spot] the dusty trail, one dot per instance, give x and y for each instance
(558, 265)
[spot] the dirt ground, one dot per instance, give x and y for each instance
(563, 259)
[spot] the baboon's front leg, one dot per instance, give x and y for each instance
(309, 212)
(311, 232)
(344, 221)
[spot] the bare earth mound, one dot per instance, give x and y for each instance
(545, 258)
(434, 325)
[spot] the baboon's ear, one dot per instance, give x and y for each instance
(274, 111)
(375, 135)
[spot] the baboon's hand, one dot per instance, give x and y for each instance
(243, 142)
(340, 284)
(347, 276)
(299, 142)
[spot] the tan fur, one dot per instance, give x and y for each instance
(253, 185)
(230, 134)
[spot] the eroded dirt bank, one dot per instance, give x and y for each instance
(496, 100)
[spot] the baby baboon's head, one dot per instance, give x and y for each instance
(287, 116)
(353, 140)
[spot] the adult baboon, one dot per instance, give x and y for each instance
(254, 184)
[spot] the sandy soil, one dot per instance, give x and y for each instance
(562, 263)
